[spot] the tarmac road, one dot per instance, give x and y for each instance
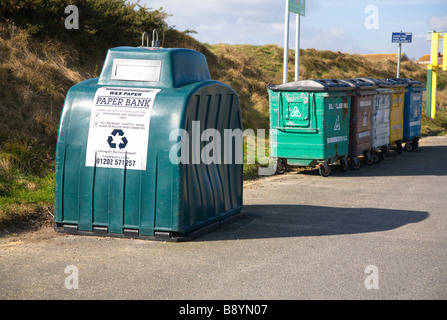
(376, 233)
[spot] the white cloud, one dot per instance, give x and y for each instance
(338, 33)
(227, 21)
(438, 23)
(336, 25)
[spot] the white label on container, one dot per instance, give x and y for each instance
(119, 128)
(136, 70)
(337, 139)
(364, 134)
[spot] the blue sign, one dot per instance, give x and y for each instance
(401, 37)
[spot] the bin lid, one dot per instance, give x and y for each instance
(412, 82)
(314, 85)
(396, 82)
(378, 82)
(363, 83)
(153, 67)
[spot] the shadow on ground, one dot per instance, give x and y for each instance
(426, 160)
(276, 221)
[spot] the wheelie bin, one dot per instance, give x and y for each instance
(360, 127)
(412, 113)
(380, 119)
(398, 88)
(124, 162)
(310, 119)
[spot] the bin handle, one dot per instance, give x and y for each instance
(298, 129)
(147, 39)
(155, 43)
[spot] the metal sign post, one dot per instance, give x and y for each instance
(297, 48)
(286, 43)
(399, 54)
(400, 37)
(298, 7)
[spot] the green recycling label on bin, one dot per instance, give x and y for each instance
(119, 128)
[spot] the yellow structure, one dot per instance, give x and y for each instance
(432, 72)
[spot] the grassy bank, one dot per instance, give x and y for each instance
(39, 63)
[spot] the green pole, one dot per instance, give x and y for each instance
(428, 97)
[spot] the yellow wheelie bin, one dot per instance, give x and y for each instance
(398, 87)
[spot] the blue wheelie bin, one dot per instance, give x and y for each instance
(412, 113)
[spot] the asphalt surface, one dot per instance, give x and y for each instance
(376, 233)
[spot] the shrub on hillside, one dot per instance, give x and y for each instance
(102, 23)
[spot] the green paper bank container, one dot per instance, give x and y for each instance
(130, 159)
(309, 122)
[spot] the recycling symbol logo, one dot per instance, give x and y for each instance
(115, 134)
(295, 112)
(337, 125)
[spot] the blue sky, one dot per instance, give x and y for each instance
(335, 25)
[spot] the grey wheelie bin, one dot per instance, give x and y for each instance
(381, 119)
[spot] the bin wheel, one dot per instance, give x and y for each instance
(382, 154)
(387, 151)
(415, 143)
(399, 147)
(325, 170)
(355, 163)
(344, 164)
(280, 166)
(409, 147)
(368, 158)
(376, 157)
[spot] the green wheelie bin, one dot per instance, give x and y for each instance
(127, 164)
(309, 122)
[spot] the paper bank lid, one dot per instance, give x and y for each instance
(314, 85)
(412, 82)
(363, 84)
(153, 67)
(396, 82)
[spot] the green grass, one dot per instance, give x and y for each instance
(30, 189)
(25, 197)
(434, 127)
